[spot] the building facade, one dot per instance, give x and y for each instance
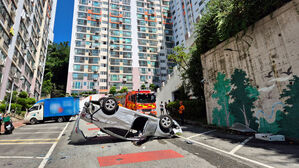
(119, 43)
(26, 27)
(185, 14)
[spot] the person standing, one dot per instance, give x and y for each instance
(181, 112)
(166, 108)
(1, 117)
(162, 108)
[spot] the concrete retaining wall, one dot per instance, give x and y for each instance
(253, 78)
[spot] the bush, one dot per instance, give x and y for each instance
(2, 108)
(194, 109)
(23, 94)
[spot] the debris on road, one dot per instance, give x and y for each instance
(188, 142)
(269, 137)
(242, 128)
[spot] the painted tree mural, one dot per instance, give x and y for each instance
(222, 117)
(274, 127)
(289, 123)
(243, 95)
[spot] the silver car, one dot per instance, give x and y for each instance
(123, 123)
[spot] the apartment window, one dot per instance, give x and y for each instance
(77, 85)
(114, 77)
(143, 63)
(127, 55)
(77, 76)
(127, 14)
(114, 69)
(127, 70)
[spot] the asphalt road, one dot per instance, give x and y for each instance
(47, 145)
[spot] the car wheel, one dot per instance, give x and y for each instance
(110, 106)
(33, 121)
(165, 122)
(101, 100)
(60, 119)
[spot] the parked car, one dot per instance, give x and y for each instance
(123, 123)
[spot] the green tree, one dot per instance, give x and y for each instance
(153, 87)
(56, 70)
(2, 107)
(181, 57)
(123, 90)
(222, 116)
(112, 90)
(23, 94)
(47, 84)
(143, 87)
(289, 121)
(243, 95)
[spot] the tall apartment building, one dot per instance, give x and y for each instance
(185, 13)
(26, 27)
(119, 43)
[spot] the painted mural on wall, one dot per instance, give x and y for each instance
(236, 98)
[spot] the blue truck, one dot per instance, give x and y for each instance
(58, 109)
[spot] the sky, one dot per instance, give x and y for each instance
(63, 21)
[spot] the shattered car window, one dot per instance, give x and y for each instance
(146, 98)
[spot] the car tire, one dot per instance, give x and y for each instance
(101, 100)
(33, 121)
(165, 123)
(109, 106)
(60, 119)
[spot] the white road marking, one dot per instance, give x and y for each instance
(20, 157)
(240, 146)
(5, 140)
(28, 128)
(25, 143)
(46, 158)
(36, 133)
(228, 153)
(201, 134)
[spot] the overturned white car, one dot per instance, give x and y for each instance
(123, 123)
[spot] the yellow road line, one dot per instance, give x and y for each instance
(9, 140)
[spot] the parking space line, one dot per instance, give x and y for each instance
(201, 134)
(20, 157)
(46, 158)
(228, 153)
(241, 145)
(5, 140)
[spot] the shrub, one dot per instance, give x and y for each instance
(194, 109)
(23, 94)
(2, 108)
